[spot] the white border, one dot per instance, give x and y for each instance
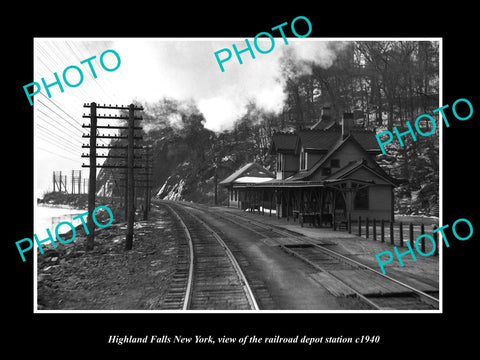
(439, 311)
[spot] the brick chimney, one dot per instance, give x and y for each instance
(347, 124)
(325, 119)
(326, 113)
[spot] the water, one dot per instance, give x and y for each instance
(50, 216)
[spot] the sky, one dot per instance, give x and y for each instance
(150, 69)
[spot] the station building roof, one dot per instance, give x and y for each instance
(251, 173)
(324, 140)
(283, 142)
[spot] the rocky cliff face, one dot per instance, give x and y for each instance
(172, 189)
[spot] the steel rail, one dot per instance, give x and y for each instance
(245, 285)
(428, 298)
(188, 292)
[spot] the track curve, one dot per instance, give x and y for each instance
(213, 279)
(378, 291)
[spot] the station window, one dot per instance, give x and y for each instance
(361, 199)
(279, 162)
(303, 160)
(326, 171)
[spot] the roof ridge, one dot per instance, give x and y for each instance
(320, 130)
(281, 132)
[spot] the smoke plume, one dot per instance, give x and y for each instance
(188, 71)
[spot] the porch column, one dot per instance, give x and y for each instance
(349, 193)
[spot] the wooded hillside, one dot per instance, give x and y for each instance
(384, 83)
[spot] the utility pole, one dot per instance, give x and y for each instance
(148, 184)
(92, 183)
(130, 158)
(130, 180)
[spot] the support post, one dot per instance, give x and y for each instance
(391, 233)
(411, 235)
(349, 225)
(263, 202)
(288, 205)
(146, 199)
(401, 234)
(334, 217)
(271, 204)
(422, 231)
(382, 230)
(367, 225)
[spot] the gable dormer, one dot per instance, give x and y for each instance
(283, 147)
(312, 146)
(345, 152)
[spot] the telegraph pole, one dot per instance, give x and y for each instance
(92, 183)
(130, 158)
(148, 184)
(130, 180)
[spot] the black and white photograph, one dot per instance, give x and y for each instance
(301, 179)
(219, 191)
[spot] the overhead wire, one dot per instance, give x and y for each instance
(70, 116)
(75, 47)
(69, 52)
(57, 154)
(58, 142)
(81, 91)
(62, 134)
(69, 142)
(59, 123)
(73, 125)
(45, 142)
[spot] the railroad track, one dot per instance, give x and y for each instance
(207, 276)
(339, 274)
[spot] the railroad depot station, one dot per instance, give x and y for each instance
(324, 175)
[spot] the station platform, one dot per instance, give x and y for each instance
(423, 273)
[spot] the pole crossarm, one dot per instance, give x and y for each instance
(133, 160)
(117, 107)
(112, 166)
(115, 117)
(112, 127)
(112, 147)
(111, 137)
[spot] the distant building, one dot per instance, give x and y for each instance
(323, 174)
(251, 173)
